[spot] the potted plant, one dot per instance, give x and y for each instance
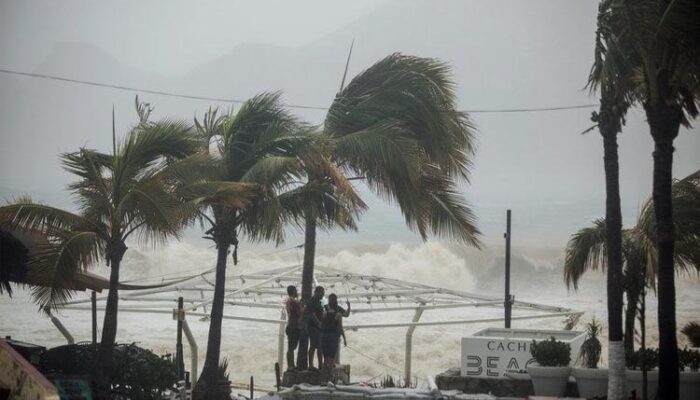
(550, 375)
(637, 362)
(689, 362)
(591, 381)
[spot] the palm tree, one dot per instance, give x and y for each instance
(119, 195)
(396, 127)
(588, 248)
(661, 43)
(258, 146)
(609, 120)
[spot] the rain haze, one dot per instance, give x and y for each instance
(506, 57)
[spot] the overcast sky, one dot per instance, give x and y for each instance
(504, 54)
(167, 37)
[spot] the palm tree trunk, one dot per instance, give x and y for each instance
(103, 363)
(630, 319)
(206, 385)
(307, 277)
(634, 285)
(613, 223)
(664, 122)
(643, 335)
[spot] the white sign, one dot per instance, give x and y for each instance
(493, 351)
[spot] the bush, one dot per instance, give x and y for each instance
(643, 359)
(551, 353)
(689, 359)
(137, 373)
(591, 347)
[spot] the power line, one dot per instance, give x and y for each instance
(149, 91)
(239, 101)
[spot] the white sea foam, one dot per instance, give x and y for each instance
(252, 348)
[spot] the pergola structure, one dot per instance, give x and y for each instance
(267, 290)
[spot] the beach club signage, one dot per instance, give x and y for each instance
(492, 352)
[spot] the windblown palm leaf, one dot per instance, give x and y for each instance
(397, 125)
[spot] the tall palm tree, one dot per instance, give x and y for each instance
(588, 248)
(119, 195)
(661, 41)
(257, 146)
(396, 127)
(609, 120)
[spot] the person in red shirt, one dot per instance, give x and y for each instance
(293, 330)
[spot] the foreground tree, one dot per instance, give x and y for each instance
(661, 43)
(256, 147)
(126, 193)
(396, 127)
(613, 87)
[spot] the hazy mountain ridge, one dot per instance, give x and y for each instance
(503, 55)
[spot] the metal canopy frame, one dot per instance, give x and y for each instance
(267, 290)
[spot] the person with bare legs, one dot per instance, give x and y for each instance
(332, 329)
(293, 330)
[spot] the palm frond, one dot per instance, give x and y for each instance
(275, 171)
(418, 95)
(448, 213)
(93, 190)
(53, 265)
(586, 250)
(152, 146)
(30, 216)
(152, 211)
(397, 125)
(234, 195)
(390, 162)
(248, 134)
(692, 331)
(212, 126)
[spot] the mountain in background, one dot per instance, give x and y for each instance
(503, 55)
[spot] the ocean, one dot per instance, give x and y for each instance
(251, 348)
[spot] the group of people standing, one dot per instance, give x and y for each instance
(320, 325)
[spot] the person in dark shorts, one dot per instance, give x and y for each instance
(332, 329)
(293, 330)
(314, 315)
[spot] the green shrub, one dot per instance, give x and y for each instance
(591, 347)
(551, 353)
(137, 373)
(643, 359)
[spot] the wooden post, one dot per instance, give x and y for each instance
(179, 356)
(252, 386)
(93, 299)
(508, 301)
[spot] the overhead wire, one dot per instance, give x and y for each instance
(240, 101)
(202, 272)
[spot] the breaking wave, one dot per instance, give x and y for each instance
(252, 348)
